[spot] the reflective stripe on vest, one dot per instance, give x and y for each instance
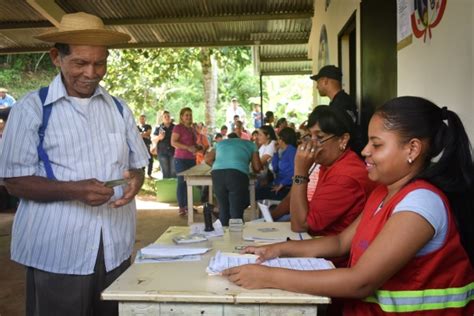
(432, 299)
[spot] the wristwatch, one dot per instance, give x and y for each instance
(300, 179)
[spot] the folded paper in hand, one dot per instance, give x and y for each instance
(222, 261)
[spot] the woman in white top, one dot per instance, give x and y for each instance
(266, 139)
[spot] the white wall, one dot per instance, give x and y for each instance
(441, 70)
(337, 15)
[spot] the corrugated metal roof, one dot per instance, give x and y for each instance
(278, 30)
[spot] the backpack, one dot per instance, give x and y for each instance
(42, 155)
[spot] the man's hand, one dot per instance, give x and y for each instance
(135, 179)
(93, 192)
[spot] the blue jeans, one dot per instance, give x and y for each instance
(167, 165)
(180, 166)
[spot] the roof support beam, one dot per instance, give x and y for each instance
(283, 59)
(211, 19)
(49, 9)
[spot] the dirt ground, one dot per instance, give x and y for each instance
(152, 220)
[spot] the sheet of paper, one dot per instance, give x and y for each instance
(140, 259)
(170, 251)
(222, 261)
(265, 209)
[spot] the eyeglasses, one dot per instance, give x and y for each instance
(309, 137)
(322, 141)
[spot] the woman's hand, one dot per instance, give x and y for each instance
(263, 252)
(305, 157)
(249, 276)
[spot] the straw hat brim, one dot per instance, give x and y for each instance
(92, 37)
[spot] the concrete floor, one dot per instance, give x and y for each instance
(152, 220)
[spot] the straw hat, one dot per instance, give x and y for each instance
(3, 90)
(83, 29)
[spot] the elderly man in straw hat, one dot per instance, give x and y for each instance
(75, 228)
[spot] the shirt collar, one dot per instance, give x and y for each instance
(57, 90)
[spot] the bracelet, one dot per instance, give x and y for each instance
(300, 179)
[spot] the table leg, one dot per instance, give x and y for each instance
(253, 203)
(210, 194)
(190, 203)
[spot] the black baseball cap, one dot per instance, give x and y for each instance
(329, 71)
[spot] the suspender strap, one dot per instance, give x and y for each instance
(119, 105)
(42, 155)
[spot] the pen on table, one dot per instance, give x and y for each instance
(301, 236)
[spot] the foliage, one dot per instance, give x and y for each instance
(151, 80)
(21, 73)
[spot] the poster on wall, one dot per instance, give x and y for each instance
(404, 34)
(426, 15)
(417, 18)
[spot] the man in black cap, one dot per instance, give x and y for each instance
(328, 81)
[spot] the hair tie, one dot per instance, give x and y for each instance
(444, 113)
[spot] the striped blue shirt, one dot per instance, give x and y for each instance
(83, 141)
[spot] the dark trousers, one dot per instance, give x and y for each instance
(50, 294)
(167, 165)
(180, 166)
(149, 169)
(266, 193)
(232, 192)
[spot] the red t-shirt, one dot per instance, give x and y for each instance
(340, 195)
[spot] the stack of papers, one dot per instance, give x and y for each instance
(271, 232)
(167, 253)
(222, 261)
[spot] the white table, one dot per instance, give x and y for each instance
(201, 175)
(184, 288)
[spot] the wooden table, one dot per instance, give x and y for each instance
(184, 288)
(201, 175)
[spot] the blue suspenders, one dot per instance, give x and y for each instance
(42, 155)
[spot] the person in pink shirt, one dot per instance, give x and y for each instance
(183, 139)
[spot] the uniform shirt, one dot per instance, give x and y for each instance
(88, 140)
(234, 153)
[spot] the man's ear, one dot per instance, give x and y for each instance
(54, 55)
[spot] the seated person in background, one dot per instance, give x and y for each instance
(240, 131)
(218, 137)
(202, 142)
(230, 175)
(280, 124)
(266, 140)
(283, 163)
(343, 186)
(223, 132)
(412, 248)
